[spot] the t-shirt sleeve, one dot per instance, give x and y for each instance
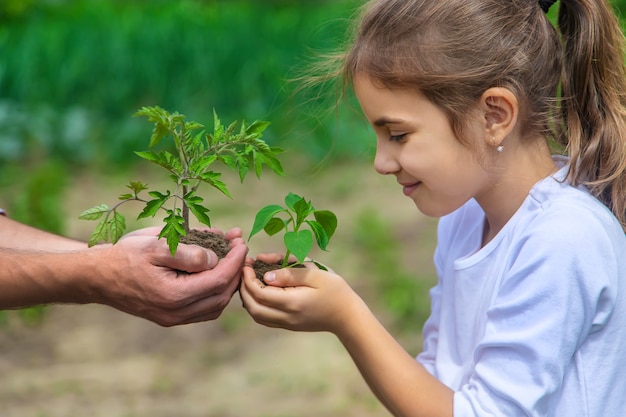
(556, 292)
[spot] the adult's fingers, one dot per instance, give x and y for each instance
(190, 258)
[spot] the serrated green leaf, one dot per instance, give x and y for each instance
(126, 197)
(158, 133)
(263, 217)
(94, 213)
(163, 158)
(218, 129)
(194, 204)
(299, 243)
(152, 207)
(198, 166)
(243, 169)
(151, 156)
(137, 186)
(229, 160)
(173, 230)
(117, 226)
(212, 179)
(257, 127)
(100, 233)
(261, 159)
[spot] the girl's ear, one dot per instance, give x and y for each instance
(500, 109)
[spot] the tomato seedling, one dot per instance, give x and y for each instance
(297, 240)
(196, 152)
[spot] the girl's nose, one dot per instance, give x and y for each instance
(384, 162)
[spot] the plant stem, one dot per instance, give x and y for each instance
(285, 261)
(185, 162)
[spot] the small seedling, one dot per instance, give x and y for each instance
(196, 152)
(298, 241)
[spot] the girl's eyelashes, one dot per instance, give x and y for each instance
(397, 138)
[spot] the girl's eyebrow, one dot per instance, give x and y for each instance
(386, 121)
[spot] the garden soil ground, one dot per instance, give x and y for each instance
(93, 361)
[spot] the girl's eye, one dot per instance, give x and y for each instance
(397, 138)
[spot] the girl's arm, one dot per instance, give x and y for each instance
(314, 300)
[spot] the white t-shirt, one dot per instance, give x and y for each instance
(534, 322)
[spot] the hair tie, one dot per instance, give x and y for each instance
(545, 4)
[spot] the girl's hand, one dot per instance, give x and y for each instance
(304, 299)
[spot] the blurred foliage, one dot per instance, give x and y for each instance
(73, 72)
(401, 292)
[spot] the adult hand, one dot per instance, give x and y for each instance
(305, 299)
(138, 275)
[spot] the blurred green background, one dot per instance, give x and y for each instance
(73, 72)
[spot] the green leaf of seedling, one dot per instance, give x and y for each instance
(299, 243)
(109, 228)
(320, 234)
(270, 160)
(218, 128)
(158, 133)
(163, 158)
(173, 230)
(126, 196)
(243, 168)
(256, 128)
(320, 266)
(200, 165)
(263, 217)
(291, 199)
(212, 179)
(152, 207)
(302, 208)
(194, 203)
(274, 225)
(94, 213)
(100, 233)
(328, 220)
(161, 119)
(116, 225)
(136, 187)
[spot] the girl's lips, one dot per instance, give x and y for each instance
(408, 189)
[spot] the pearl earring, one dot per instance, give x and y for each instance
(500, 148)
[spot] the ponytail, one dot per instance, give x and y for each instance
(594, 100)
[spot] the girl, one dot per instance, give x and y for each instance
(529, 314)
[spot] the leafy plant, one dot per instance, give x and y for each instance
(196, 152)
(298, 241)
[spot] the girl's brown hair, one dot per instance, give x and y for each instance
(454, 50)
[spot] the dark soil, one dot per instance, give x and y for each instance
(214, 241)
(219, 244)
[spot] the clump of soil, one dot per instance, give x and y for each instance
(209, 240)
(220, 245)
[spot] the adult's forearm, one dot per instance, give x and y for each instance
(15, 235)
(30, 277)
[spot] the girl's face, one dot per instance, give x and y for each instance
(415, 142)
